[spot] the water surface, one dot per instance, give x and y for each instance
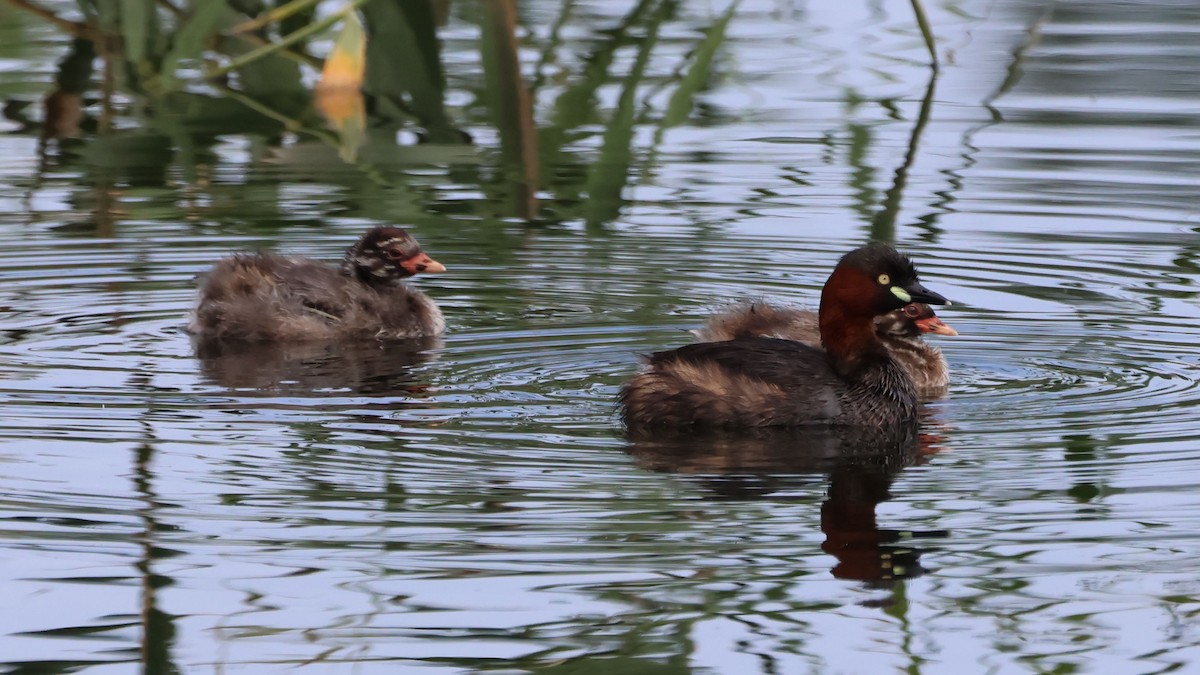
(471, 504)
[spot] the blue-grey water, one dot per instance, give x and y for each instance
(471, 504)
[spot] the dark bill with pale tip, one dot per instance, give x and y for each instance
(918, 293)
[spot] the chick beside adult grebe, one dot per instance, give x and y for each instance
(899, 330)
(922, 361)
(267, 297)
(761, 382)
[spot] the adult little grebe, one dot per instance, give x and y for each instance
(899, 330)
(759, 382)
(265, 297)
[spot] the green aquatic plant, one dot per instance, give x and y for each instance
(192, 60)
(188, 71)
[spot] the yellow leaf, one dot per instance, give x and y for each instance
(347, 63)
(339, 92)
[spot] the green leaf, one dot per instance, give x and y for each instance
(137, 157)
(205, 21)
(697, 76)
(403, 57)
(135, 28)
(607, 177)
(339, 93)
(577, 106)
(215, 115)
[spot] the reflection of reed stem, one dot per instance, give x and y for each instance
(926, 33)
(158, 629)
(553, 42)
(883, 225)
(1012, 75)
(108, 85)
(513, 107)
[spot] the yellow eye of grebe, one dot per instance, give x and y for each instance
(884, 280)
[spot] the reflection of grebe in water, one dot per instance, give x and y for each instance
(369, 367)
(764, 464)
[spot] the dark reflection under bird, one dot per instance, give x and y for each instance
(378, 368)
(859, 463)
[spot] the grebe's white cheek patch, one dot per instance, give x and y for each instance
(901, 293)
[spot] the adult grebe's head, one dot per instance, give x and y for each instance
(867, 282)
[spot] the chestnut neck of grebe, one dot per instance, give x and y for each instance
(846, 317)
